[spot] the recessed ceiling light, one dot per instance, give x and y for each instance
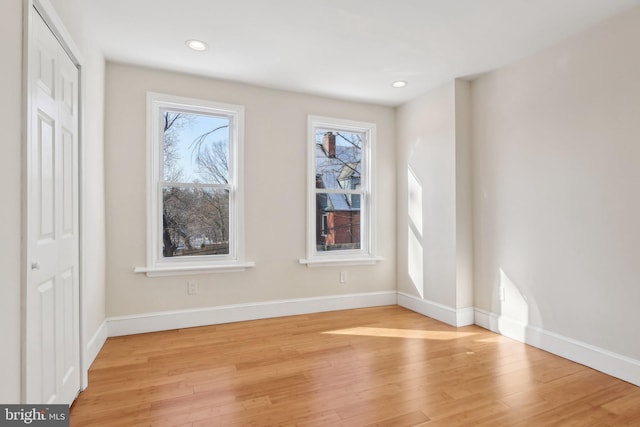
(197, 45)
(399, 83)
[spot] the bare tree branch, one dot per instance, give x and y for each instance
(350, 141)
(196, 145)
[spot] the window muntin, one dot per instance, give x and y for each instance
(340, 194)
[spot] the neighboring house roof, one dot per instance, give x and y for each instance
(339, 203)
(346, 164)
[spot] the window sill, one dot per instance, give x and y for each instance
(181, 270)
(329, 262)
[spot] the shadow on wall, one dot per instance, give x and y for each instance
(414, 239)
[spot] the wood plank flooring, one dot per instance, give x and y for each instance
(383, 366)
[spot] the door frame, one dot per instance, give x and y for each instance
(48, 13)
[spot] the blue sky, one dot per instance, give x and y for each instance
(197, 125)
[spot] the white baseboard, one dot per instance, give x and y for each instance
(502, 325)
(610, 363)
(443, 313)
(93, 348)
(96, 342)
(162, 321)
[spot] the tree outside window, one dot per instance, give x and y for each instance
(195, 185)
(194, 182)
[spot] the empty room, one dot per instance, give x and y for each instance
(321, 213)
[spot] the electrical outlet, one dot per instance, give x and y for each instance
(192, 287)
(343, 277)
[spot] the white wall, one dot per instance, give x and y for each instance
(11, 212)
(434, 215)
(556, 169)
(464, 207)
(275, 199)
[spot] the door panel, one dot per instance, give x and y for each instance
(52, 345)
(46, 335)
(68, 303)
(68, 190)
(45, 71)
(46, 164)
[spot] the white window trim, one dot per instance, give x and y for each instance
(366, 254)
(157, 265)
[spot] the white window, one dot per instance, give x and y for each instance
(194, 186)
(340, 214)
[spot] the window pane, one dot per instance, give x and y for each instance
(337, 221)
(196, 148)
(338, 156)
(195, 221)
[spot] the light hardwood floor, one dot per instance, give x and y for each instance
(383, 366)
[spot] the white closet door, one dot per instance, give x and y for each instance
(52, 359)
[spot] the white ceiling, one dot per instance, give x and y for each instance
(350, 49)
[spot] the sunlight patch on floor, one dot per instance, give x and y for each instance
(401, 333)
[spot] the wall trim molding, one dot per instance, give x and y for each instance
(451, 316)
(167, 320)
(94, 345)
(608, 362)
(96, 342)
